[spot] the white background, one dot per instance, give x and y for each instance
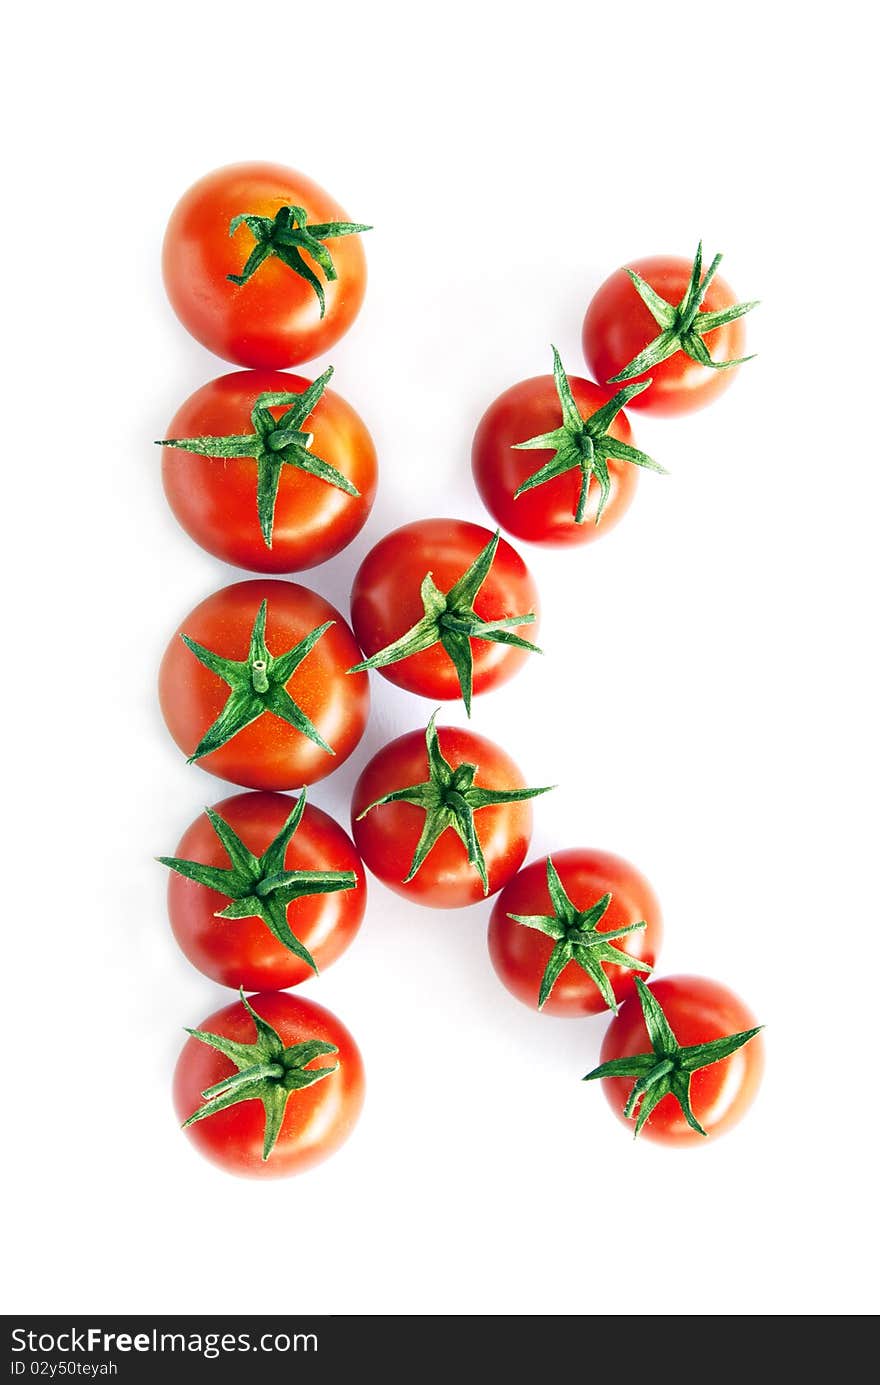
(707, 702)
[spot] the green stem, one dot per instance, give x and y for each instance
(259, 675)
(245, 1078)
(645, 1083)
(682, 325)
(288, 437)
(288, 236)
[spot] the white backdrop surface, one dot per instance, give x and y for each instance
(707, 701)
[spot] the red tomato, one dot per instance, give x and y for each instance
(520, 954)
(547, 513)
(215, 498)
(317, 1119)
(268, 753)
(698, 1011)
(387, 837)
(618, 326)
(242, 952)
(274, 319)
(386, 602)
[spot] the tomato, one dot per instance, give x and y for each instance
(290, 308)
(559, 493)
(293, 1106)
(619, 326)
(238, 931)
(699, 1012)
(298, 518)
(254, 685)
(458, 825)
(545, 953)
(461, 623)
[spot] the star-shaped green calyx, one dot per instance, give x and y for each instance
(577, 938)
(257, 685)
(683, 327)
(450, 620)
(667, 1069)
(450, 798)
(260, 886)
(585, 444)
(274, 444)
(286, 237)
(267, 1072)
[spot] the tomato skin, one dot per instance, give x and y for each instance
(215, 499)
(520, 954)
(387, 837)
(698, 1010)
(617, 326)
(385, 602)
(274, 319)
(318, 1119)
(243, 952)
(546, 514)
(268, 754)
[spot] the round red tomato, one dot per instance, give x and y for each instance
(389, 835)
(698, 1011)
(521, 953)
(275, 318)
(546, 514)
(215, 497)
(245, 950)
(308, 1122)
(387, 602)
(618, 326)
(296, 729)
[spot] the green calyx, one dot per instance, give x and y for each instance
(257, 685)
(576, 938)
(683, 327)
(274, 444)
(286, 237)
(260, 886)
(267, 1072)
(450, 798)
(584, 444)
(667, 1069)
(450, 620)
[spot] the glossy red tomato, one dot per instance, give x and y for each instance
(386, 602)
(547, 513)
(268, 752)
(618, 325)
(520, 954)
(215, 498)
(317, 1119)
(698, 1011)
(388, 835)
(274, 319)
(242, 952)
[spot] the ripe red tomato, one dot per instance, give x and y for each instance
(618, 326)
(290, 309)
(699, 1011)
(215, 498)
(308, 1117)
(546, 514)
(390, 835)
(244, 950)
(298, 729)
(521, 954)
(388, 601)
